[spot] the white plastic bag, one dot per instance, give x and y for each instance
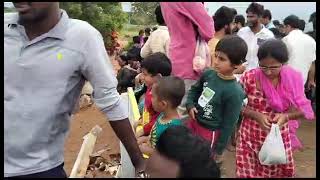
(202, 58)
(272, 151)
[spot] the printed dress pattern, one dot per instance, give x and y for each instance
(252, 137)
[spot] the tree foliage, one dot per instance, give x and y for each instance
(143, 13)
(106, 17)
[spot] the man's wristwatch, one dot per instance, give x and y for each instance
(143, 174)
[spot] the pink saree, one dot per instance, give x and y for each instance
(289, 92)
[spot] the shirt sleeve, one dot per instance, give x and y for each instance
(287, 43)
(314, 54)
(146, 49)
(231, 112)
(196, 12)
(239, 33)
(194, 93)
(98, 70)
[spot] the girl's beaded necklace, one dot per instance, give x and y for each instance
(226, 77)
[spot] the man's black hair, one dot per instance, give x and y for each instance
(234, 11)
(313, 16)
(157, 63)
(267, 14)
(312, 19)
(159, 16)
(141, 32)
(124, 57)
(273, 48)
(147, 31)
(222, 17)
(302, 24)
(276, 22)
(292, 21)
(277, 33)
(234, 47)
(136, 39)
(192, 153)
(255, 8)
(240, 19)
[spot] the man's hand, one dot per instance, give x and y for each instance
(123, 130)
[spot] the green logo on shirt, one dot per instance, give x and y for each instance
(59, 56)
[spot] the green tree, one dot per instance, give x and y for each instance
(143, 13)
(106, 17)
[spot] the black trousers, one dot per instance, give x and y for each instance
(57, 172)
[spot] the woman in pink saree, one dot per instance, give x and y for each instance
(275, 95)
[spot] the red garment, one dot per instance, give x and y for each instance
(252, 137)
(197, 129)
(152, 113)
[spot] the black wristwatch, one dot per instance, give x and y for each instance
(143, 174)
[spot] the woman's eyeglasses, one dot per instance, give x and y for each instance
(271, 68)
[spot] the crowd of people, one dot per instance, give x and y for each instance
(241, 94)
(260, 73)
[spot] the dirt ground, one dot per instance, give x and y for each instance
(81, 124)
(87, 118)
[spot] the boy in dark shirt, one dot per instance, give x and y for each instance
(215, 101)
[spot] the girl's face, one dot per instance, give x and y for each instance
(157, 104)
(270, 67)
(222, 63)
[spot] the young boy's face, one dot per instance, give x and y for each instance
(222, 63)
(148, 78)
(157, 104)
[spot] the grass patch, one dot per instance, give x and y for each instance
(129, 30)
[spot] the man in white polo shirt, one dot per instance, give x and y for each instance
(254, 34)
(301, 47)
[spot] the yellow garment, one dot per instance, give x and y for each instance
(212, 48)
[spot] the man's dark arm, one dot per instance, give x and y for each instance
(124, 131)
(98, 70)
